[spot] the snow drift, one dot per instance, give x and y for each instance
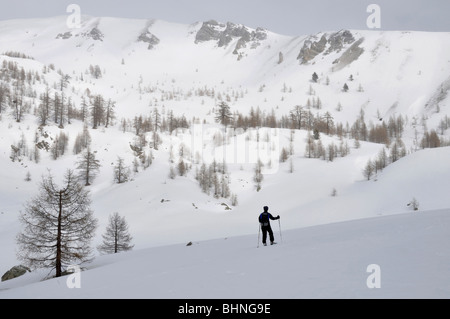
(411, 252)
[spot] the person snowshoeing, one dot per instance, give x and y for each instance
(264, 221)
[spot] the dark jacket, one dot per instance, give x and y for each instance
(265, 217)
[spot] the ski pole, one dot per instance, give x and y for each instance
(259, 229)
(279, 225)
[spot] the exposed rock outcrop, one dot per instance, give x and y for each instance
(338, 40)
(209, 31)
(311, 49)
(15, 272)
(94, 34)
(223, 35)
(64, 36)
(149, 38)
(349, 56)
(328, 43)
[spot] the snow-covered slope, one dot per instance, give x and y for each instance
(329, 261)
(154, 65)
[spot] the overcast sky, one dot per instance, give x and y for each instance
(289, 17)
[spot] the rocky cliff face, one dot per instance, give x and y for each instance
(94, 34)
(223, 35)
(210, 30)
(149, 38)
(350, 55)
(327, 44)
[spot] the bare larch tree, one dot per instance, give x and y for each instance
(88, 167)
(58, 226)
(117, 237)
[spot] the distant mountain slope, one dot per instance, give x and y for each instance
(387, 72)
(374, 94)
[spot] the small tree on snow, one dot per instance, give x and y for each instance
(88, 167)
(310, 145)
(121, 172)
(369, 170)
(223, 114)
(234, 199)
(225, 189)
(284, 155)
(291, 166)
(345, 88)
(258, 177)
(82, 141)
(181, 168)
(414, 204)
(135, 165)
(333, 192)
(172, 174)
(117, 237)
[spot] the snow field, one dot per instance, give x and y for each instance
(328, 240)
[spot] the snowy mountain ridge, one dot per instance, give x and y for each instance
(387, 66)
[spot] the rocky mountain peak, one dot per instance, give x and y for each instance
(327, 44)
(223, 35)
